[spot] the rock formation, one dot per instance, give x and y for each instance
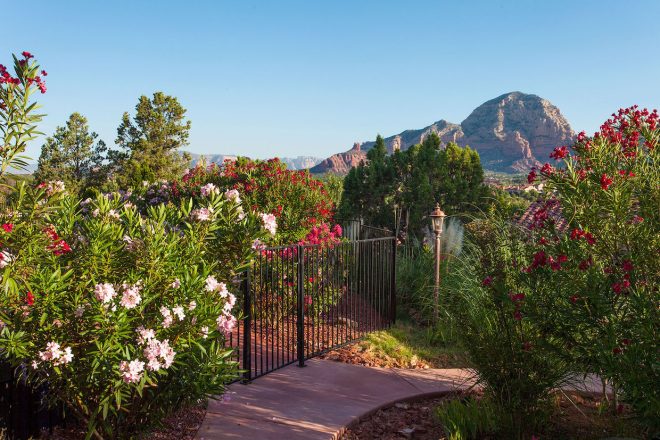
(512, 133)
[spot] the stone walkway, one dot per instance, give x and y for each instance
(320, 400)
(317, 401)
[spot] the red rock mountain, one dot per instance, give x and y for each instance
(512, 133)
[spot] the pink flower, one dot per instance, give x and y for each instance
(145, 335)
(270, 223)
(202, 214)
(178, 311)
(226, 323)
(208, 189)
(176, 283)
(131, 371)
(233, 195)
(205, 332)
(131, 296)
(104, 292)
(5, 259)
(257, 245)
(167, 317)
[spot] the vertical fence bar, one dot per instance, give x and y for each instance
(300, 315)
(393, 283)
(247, 342)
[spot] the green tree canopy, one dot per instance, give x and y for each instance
(74, 156)
(411, 182)
(149, 142)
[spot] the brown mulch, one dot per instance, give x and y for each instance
(181, 425)
(583, 419)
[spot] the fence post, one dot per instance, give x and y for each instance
(300, 325)
(247, 325)
(393, 283)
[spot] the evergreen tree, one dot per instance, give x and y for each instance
(413, 181)
(149, 142)
(74, 156)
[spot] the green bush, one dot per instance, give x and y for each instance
(511, 357)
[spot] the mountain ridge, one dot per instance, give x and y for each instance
(512, 133)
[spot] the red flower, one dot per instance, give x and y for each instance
(44, 73)
(487, 281)
(627, 266)
(585, 264)
(590, 238)
(8, 227)
(531, 177)
(605, 182)
(27, 55)
(547, 169)
(574, 299)
(29, 299)
(527, 346)
(517, 315)
(559, 153)
(616, 350)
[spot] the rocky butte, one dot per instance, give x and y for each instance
(512, 133)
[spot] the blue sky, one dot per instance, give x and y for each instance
(288, 78)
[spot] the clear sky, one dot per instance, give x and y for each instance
(288, 78)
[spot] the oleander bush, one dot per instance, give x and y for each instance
(596, 277)
(122, 309)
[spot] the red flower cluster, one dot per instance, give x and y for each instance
(8, 227)
(624, 128)
(29, 299)
(323, 235)
(559, 153)
(58, 246)
(577, 234)
(517, 299)
(605, 182)
(531, 177)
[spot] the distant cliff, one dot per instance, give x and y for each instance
(512, 133)
(295, 163)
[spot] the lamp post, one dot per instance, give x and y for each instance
(437, 218)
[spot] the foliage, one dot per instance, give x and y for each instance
(117, 306)
(513, 358)
(149, 142)
(596, 279)
(411, 182)
(334, 185)
(467, 419)
(407, 344)
(72, 156)
(18, 120)
(119, 310)
(298, 200)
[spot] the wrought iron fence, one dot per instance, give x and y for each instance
(303, 300)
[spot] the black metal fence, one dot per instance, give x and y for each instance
(301, 301)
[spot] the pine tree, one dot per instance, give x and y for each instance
(149, 142)
(74, 156)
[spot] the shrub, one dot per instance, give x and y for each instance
(511, 356)
(596, 277)
(295, 198)
(122, 309)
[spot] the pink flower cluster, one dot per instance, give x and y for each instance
(159, 354)
(202, 214)
(270, 223)
(130, 296)
(55, 354)
(131, 371)
(226, 321)
(233, 196)
(5, 259)
(105, 292)
(208, 189)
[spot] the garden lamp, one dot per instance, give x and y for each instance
(438, 218)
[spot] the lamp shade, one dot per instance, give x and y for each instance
(437, 217)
